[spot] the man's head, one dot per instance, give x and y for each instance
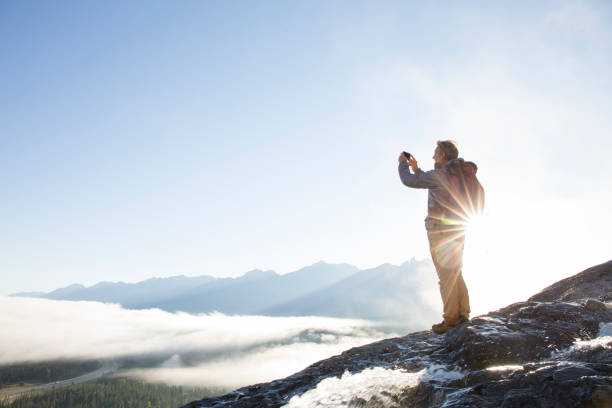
(445, 150)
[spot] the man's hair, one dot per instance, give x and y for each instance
(449, 148)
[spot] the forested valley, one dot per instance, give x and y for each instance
(113, 393)
(44, 372)
(110, 391)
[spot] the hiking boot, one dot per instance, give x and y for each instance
(442, 327)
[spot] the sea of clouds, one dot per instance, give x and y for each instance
(231, 351)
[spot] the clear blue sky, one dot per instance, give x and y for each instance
(147, 138)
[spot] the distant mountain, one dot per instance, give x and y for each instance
(251, 293)
(129, 295)
(257, 291)
(387, 292)
(64, 292)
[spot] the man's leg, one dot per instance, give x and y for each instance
(464, 297)
(447, 253)
(450, 293)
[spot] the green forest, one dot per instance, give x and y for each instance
(45, 372)
(113, 393)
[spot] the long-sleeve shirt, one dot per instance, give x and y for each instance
(433, 180)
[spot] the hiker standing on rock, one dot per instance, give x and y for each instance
(454, 195)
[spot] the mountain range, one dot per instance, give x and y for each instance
(321, 289)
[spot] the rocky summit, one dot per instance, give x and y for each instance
(553, 350)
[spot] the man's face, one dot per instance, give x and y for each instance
(439, 157)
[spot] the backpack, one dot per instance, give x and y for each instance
(465, 195)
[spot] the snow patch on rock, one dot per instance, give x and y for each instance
(375, 385)
(380, 383)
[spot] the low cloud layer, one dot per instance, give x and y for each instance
(238, 369)
(230, 350)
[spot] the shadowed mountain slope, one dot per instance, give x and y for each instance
(537, 353)
(385, 293)
(252, 296)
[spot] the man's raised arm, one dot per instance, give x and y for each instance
(420, 178)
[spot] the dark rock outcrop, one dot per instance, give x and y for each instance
(544, 352)
(594, 282)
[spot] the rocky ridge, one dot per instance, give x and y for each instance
(553, 350)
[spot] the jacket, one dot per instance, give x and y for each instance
(441, 211)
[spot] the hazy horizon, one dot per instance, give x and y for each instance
(220, 277)
(419, 275)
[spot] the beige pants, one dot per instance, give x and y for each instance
(446, 249)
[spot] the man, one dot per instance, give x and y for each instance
(445, 229)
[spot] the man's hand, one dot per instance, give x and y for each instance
(402, 157)
(413, 164)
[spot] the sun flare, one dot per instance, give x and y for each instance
(477, 264)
